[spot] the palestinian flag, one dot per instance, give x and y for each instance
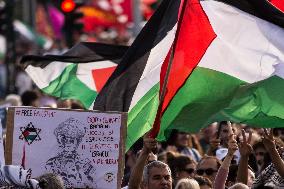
(227, 64)
(134, 86)
(79, 74)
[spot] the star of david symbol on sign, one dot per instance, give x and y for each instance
(30, 133)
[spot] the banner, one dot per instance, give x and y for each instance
(86, 148)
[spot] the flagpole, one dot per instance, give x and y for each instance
(156, 126)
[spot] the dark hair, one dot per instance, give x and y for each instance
(181, 161)
(50, 181)
(203, 181)
(232, 176)
(75, 104)
(219, 162)
(257, 145)
(28, 97)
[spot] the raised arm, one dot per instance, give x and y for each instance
(245, 150)
(269, 143)
(221, 177)
(149, 145)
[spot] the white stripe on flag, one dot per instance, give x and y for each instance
(43, 76)
(151, 74)
(84, 71)
(246, 47)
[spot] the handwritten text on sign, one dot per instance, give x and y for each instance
(81, 146)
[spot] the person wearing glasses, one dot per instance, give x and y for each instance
(184, 167)
(208, 167)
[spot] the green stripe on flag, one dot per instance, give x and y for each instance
(142, 116)
(68, 86)
(210, 95)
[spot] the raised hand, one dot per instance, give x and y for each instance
(233, 145)
(244, 146)
(268, 140)
(149, 144)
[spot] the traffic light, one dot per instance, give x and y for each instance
(72, 24)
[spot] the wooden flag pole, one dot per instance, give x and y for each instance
(156, 126)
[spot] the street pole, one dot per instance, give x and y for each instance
(137, 17)
(10, 58)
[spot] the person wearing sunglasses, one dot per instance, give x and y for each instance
(208, 167)
(183, 167)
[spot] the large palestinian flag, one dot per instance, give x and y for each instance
(134, 85)
(79, 74)
(227, 64)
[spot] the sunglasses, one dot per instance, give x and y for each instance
(208, 172)
(189, 171)
(259, 153)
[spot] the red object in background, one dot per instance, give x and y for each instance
(117, 15)
(68, 6)
(278, 3)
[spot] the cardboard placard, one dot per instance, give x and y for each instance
(86, 148)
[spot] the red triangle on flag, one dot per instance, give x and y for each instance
(278, 3)
(101, 76)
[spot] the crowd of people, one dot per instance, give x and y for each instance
(222, 155)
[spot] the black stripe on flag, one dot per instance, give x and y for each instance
(83, 52)
(117, 94)
(259, 8)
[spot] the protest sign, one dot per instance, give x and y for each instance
(86, 148)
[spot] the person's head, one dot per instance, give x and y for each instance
(179, 139)
(30, 98)
(184, 167)
(50, 181)
(69, 135)
(279, 132)
(208, 167)
(259, 152)
(157, 175)
(239, 186)
(187, 183)
(251, 177)
(204, 183)
(168, 157)
(225, 133)
(209, 132)
(64, 103)
(14, 100)
(75, 104)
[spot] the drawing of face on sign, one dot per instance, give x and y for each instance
(68, 163)
(69, 136)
